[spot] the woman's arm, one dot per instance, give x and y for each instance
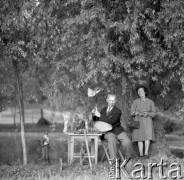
(152, 110)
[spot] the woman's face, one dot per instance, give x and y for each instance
(141, 93)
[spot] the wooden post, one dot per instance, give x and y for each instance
(86, 141)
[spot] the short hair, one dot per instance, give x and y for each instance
(143, 87)
(114, 95)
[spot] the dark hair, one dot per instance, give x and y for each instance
(143, 87)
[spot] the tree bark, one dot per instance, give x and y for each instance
(14, 115)
(15, 109)
(21, 107)
(41, 111)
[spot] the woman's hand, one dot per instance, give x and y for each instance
(145, 114)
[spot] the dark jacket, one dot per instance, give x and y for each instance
(113, 118)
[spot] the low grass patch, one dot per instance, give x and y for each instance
(179, 153)
(75, 171)
(43, 172)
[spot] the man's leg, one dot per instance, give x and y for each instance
(125, 141)
(112, 144)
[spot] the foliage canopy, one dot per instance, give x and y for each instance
(70, 45)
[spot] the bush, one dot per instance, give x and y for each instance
(43, 121)
(170, 126)
(178, 153)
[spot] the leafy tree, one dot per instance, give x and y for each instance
(116, 45)
(16, 47)
(115, 42)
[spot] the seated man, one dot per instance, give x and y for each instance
(111, 114)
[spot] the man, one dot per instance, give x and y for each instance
(111, 114)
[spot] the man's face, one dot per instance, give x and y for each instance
(111, 100)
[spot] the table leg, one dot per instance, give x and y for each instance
(93, 149)
(72, 149)
(96, 149)
(69, 148)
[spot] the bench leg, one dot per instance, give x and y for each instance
(106, 152)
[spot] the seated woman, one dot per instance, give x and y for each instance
(144, 110)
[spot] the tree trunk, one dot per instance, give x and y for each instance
(21, 107)
(14, 114)
(33, 114)
(15, 110)
(41, 111)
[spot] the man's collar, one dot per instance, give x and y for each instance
(110, 107)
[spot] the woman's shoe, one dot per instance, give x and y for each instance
(141, 156)
(146, 156)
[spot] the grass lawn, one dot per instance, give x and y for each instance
(32, 115)
(31, 128)
(75, 171)
(70, 171)
(101, 171)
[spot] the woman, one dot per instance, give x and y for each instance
(144, 110)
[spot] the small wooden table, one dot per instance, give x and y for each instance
(90, 137)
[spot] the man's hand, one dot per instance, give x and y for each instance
(136, 113)
(97, 113)
(94, 110)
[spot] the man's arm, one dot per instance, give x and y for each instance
(111, 119)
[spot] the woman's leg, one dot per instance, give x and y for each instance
(147, 143)
(140, 145)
